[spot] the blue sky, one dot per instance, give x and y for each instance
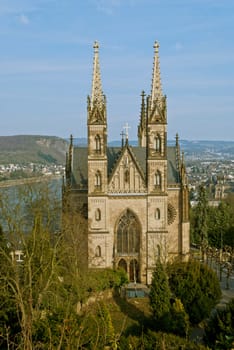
(47, 55)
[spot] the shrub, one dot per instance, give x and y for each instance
(152, 340)
(197, 286)
(219, 331)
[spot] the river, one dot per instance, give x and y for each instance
(20, 199)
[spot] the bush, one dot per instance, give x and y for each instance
(99, 280)
(179, 320)
(219, 331)
(152, 340)
(197, 286)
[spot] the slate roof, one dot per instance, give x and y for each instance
(80, 163)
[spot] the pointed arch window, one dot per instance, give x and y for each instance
(157, 214)
(98, 214)
(157, 143)
(128, 234)
(126, 176)
(98, 180)
(157, 179)
(98, 251)
(97, 144)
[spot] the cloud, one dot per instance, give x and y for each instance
(23, 19)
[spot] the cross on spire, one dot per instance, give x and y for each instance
(126, 127)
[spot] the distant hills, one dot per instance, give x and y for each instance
(26, 149)
(200, 149)
(52, 150)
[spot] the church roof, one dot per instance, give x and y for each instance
(80, 164)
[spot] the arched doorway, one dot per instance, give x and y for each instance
(128, 233)
(123, 265)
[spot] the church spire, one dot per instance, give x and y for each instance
(96, 94)
(142, 124)
(156, 89)
(97, 100)
(143, 112)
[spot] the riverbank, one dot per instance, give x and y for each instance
(29, 180)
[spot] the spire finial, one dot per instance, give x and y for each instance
(156, 46)
(156, 92)
(95, 46)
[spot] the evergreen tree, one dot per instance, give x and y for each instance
(197, 286)
(219, 331)
(160, 296)
(201, 219)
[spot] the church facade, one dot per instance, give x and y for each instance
(135, 199)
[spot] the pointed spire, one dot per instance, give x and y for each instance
(156, 89)
(143, 112)
(178, 158)
(142, 124)
(177, 140)
(96, 94)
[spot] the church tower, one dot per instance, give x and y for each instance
(97, 132)
(97, 164)
(156, 151)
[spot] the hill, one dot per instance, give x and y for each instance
(199, 149)
(25, 149)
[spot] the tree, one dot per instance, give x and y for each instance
(9, 325)
(219, 330)
(219, 223)
(197, 286)
(40, 296)
(160, 295)
(201, 220)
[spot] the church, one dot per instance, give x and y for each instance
(135, 198)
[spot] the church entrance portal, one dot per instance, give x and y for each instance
(123, 265)
(128, 244)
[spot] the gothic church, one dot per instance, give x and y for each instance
(135, 199)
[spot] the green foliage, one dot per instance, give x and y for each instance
(212, 225)
(48, 158)
(99, 280)
(153, 341)
(200, 218)
(108, 332)
(197, 286)
(179, 319)
(219, 331)
(220, 220)
(23, 149)
(9, 325)
(160, 295)
(57, 327)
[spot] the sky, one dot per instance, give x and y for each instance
(46, 63)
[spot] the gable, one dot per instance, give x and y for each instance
(114, 155)
(127, 176)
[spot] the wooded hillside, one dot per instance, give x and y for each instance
(32, 148)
